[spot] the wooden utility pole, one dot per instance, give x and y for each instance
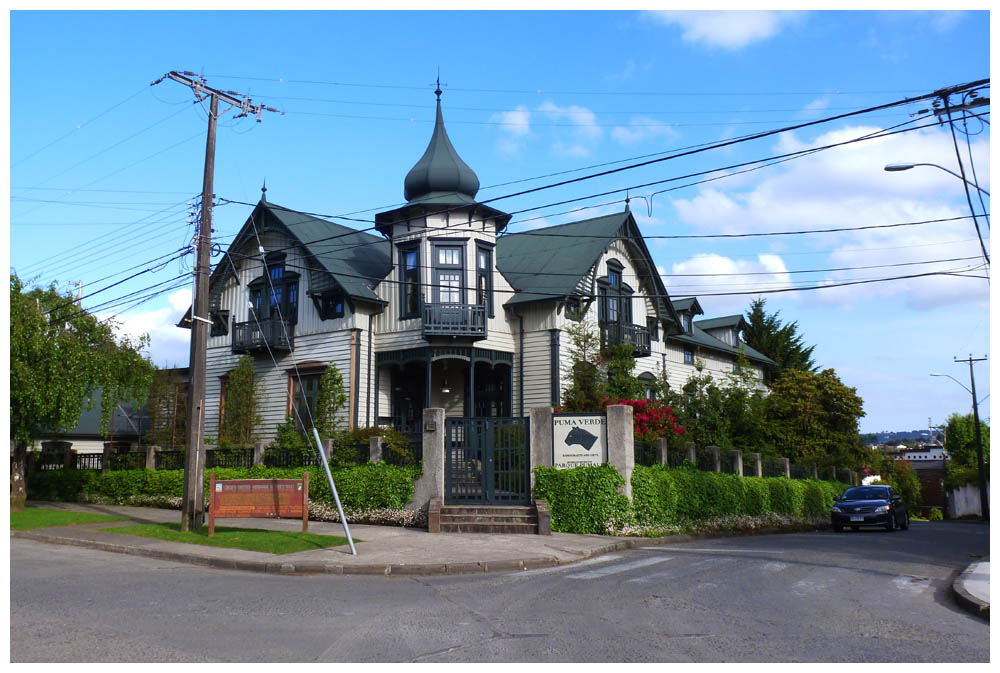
(193, 504)
(984, 501)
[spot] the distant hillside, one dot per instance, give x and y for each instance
(890, 436)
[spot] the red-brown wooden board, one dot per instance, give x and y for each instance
(262, 498)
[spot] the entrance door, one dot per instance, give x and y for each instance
(487, 461)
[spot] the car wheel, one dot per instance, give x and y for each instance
(891, 523)
(838, 529)
(906, 521)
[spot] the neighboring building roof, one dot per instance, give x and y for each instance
(703, 339)
(125, 422)
(440, 170)
(725, 321)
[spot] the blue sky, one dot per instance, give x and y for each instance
(102, 163)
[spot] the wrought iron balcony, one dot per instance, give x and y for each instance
(261, 335)
(460, 320)
(613, 334)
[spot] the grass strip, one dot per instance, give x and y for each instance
(249, 539)
(38, 517)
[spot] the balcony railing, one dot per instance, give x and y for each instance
(463, 320)
(613, 334)
(261, 335)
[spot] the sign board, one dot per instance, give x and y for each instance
(579, 439)
(264, 498)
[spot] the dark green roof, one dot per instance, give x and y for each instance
(703, 339)
(549, 263)
(725, 321)
(440, 169)
(688, 304)
(354, 260)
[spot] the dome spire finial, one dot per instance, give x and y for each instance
(437, 91)
(263, 191)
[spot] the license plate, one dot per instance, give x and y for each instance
(857, 518)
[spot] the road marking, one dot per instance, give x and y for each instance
(619, 568)
(911, 584)
(719, 550)
(563, 568)
(680, 571)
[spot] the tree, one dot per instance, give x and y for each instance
(166, 408)
(59, 356)
(698, 407)
(813, 418)
(619, 361)
(587, 390)
(743, 406)
(242, 412)
(781, 343)
(330, 400)
(960, 440)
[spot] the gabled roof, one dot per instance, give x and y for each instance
(726, 321)
(702, 339)
(355, 260)
(690, 304)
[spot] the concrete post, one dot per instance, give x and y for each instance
(540, 434)
(738, 462)
(151, 452)
(716, 463)
(692, 453)
(258, 452)
(133, 447)
(815, 471)
(375, 449)
(786, 467)
(758, 465)
(328, 448)
(431, 484)
(621, 444)
(106, 460)
(69, 459)
(661, 451)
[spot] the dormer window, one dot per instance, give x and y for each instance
(331, 306)
(220, 323)
(736, 336)
(275, 294)
(688, 323)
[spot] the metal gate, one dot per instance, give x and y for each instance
(487, 461)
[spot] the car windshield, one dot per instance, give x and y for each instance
(866, 493)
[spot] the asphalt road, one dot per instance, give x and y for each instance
(856, 596)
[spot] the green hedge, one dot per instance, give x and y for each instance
(585, 499)
(581, 499)
(362, 487)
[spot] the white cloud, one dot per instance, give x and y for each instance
(516, 122)
(642, 129)
(169, 345)
(726, 29)
(583, 133)
(847, 187)
(707, 274)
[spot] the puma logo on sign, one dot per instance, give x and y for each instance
(581, 437)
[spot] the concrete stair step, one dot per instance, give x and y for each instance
(473, 518)
(485, 509)
(500, 529)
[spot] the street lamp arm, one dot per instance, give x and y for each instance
(955, 380)
(892, 168)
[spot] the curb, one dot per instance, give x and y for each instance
(966, 600)
(388, 569)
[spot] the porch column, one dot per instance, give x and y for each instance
(431, 484)
(427, 396)
(472, 385)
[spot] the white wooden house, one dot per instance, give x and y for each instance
(443, 308)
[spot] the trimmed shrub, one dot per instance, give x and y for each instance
(756, 496)
(780, 489)
(582, 499)
(654, 496)
(362, 487)
(816, 500)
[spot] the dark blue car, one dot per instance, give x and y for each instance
(870, 506)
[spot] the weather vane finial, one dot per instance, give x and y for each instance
(263, 190)
(437, 91)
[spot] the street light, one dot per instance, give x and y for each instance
(893, 168)
(955, 380)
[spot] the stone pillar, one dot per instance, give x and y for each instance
(151, 452)
(692, 453)
(540, 434)
(661, 451)
(69, 459)
(375, 449)
(716, 463)
(621, 445)
(258, 452)
(431, 484)
(133, 447)
(815, 471)
(785, 466)
(106, 460)
(738, 463)
(758, 465)
(328, 449)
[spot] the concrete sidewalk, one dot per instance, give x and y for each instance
(972, 589)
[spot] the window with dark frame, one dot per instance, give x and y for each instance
(409, 265)
(305, 390)
(688, 323)
(689, 356)
(220, 323)
(331, 306)
(448, 274)
(484, 278)
(654, 328)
